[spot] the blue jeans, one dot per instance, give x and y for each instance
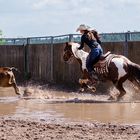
(93, 57)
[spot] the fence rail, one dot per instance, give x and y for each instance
(45, 61)
(105, 37)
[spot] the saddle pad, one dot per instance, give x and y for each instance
(101, 67)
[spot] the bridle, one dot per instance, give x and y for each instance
(71, 56)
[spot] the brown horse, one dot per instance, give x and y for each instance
(115, 68)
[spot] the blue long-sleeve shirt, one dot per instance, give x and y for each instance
(91, 43)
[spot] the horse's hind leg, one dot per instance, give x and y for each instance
(119, 86)
(121, 89)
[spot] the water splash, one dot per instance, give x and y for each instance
(39, 92)
(132, 92)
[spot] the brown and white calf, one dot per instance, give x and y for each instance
(7, 78)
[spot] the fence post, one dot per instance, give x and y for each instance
(51, 60)
(127, 38)
(70, 37)
(26, 60)
(14, 41)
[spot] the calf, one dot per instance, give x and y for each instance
(7, 78)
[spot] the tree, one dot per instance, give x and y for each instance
(0, 33)
(2, 41)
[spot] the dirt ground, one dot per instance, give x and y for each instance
(12, 128)
(21, 129)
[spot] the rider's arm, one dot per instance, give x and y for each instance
(82, 42)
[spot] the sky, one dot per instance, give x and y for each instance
(26, 18)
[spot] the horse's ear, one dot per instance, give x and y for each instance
(67, 43)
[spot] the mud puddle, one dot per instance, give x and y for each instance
(40, 107)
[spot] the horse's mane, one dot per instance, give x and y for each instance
(77, 45)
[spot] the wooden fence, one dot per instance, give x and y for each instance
(44, 62)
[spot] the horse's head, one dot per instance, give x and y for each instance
(67, 51)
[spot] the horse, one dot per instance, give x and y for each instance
(112, 67)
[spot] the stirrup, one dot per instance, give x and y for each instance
(93, 76)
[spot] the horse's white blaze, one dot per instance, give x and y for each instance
(119, 64)
(82, 55)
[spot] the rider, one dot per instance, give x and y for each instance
(91, 39)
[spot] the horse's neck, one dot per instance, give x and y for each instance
(80, 54)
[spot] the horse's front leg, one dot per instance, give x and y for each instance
(86, 84)
(83, 85)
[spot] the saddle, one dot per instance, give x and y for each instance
(101, 67)
(102, 57)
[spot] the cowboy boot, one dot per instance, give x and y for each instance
(93, 77)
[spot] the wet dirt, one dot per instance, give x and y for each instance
(21, 129)
(52, 114)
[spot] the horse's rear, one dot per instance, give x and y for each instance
(134, 74)
(122, 69)
(117, 69)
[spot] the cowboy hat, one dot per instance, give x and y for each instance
(82, 27)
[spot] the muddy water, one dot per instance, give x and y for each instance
(39, 107)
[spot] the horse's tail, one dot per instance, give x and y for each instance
(134, 70)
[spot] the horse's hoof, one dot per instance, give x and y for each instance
(27, 92)
(20, 96)
(81, 90)
(93, 89)
(119, 99)
(111, 98)
(18, 93)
